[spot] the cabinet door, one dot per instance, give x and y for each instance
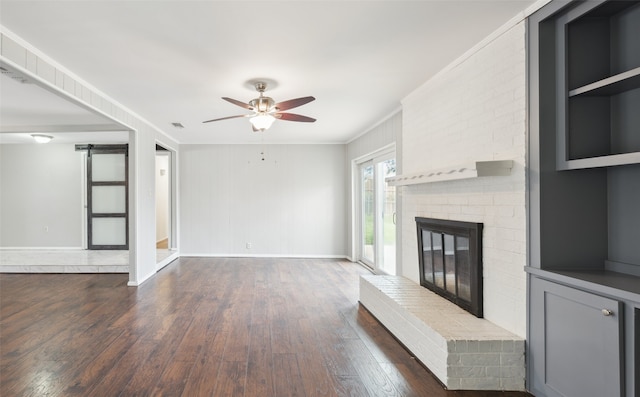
(575, 341)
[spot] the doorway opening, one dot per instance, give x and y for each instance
(165, 205)
(163, 198)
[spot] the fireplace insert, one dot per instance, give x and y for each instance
(450, 256)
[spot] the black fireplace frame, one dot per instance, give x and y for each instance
(473, 231)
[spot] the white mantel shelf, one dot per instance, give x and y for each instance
(473, 169)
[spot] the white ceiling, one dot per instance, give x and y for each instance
(172, 61)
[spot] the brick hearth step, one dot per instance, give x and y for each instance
(464, 352)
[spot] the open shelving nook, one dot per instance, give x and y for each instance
(597, 89)
(598, 58)
(584, 190)
(585, 139)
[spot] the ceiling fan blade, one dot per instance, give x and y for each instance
(228, 117)
(238, 103)
(294, 117)
(294, 103)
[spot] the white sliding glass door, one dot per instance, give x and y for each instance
(377, 213)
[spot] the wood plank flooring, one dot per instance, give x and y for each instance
(203, 327)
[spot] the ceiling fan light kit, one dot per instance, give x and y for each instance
(266, 110)
(262, 121)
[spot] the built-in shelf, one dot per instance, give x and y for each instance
(601, 161)
(599, 62)
(465, 171)
(605, 282)
(613, 85)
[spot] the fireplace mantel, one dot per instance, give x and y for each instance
(473, 169)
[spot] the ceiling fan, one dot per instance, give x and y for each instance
(266, 110)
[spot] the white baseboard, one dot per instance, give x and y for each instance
(136, 283)
(166, 261)
(66, 269)
(41, 249)
(298, 256)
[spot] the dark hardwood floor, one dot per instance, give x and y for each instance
(203, 327)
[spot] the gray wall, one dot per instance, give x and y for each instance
(40, 196)
(624, 216)
(292, 203)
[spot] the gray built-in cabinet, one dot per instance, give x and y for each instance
(584, 199)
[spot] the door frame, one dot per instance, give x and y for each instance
(164, 150)
(102, 149)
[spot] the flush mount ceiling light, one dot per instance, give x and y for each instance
(41, 138)
(266, 110)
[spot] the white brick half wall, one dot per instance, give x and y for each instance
(474, 110)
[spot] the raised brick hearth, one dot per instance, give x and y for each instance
(464, 352)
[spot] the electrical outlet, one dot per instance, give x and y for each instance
(248, 246)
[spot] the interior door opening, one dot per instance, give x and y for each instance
(165, 202)
(163, 199)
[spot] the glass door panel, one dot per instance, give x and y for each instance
(368, 213)
(108, 231)
(463, 264)
(449, 264)
(438, 264)
(109, 199)
(108, 167)
(427, 254)
(386, 169)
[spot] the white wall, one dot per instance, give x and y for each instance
(474, 110)
(40, 196)
(290, 204)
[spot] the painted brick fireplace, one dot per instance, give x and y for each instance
(473, 110)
